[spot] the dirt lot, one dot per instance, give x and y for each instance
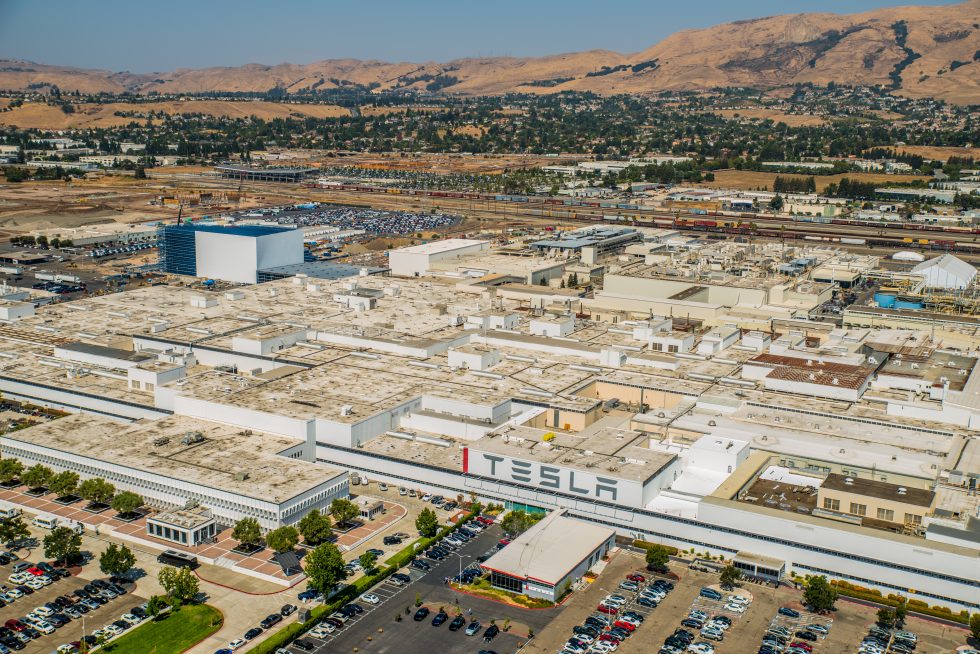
(847, 625)
(940, 153)
(750, 179)
(793, 120)
(42, 116)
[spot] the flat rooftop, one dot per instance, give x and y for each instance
(549, 550)
(878, 489)
(446, 245)
(242, 462)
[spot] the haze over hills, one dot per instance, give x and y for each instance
(917, 51)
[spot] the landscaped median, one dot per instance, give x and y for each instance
(171, 633)
(353, 591)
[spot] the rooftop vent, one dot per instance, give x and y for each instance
(902, 490)
(849, 481)
(163, 440)
(192, 437)
(241, 476)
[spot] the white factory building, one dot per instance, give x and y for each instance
(416, 260)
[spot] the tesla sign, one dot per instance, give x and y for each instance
(548, 477)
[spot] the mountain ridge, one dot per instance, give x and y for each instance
(915, 51)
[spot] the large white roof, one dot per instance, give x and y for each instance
(549, 550)
(946, 271)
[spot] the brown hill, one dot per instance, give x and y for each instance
(918, 51)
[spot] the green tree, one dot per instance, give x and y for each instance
(10, 469)
(126, 502)
(900, 614)
(367, 560)
(730, 575)
(140, 172)
(155, 605)
(180, 584)
(975, 626)
(247, 531)
(818, 594)
(96, 490)
(517, 522)
(37, 476)
(325, 567)
(427, 523)
(64, 483)
(283, 539)
(62, 544)
(886, 617)
(776, 204)
(116, 560)
(315, 528)
(657, 557)
(13, 529)
(343, 510)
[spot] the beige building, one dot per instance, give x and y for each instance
(875, 502)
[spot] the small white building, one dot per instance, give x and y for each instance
(549, 557)
(718, 339)
(559, 326)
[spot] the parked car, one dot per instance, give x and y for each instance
(788, 612)
(421, 614)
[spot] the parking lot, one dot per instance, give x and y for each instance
(377, 630)
(95, 619)
(846, 626)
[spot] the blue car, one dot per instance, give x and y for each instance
(788, 612)
(224, 650)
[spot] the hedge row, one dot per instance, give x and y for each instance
(913, 606)
(644, 545)
(352, 591)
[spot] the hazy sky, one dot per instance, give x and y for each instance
(144, 36)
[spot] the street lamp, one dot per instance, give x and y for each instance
(461, 557)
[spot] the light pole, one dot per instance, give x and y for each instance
(461, 557)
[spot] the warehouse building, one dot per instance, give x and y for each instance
(235, 254)
(547, 559)
(417, 260)
(250, 174)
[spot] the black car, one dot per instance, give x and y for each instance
(138, 611)
(684, 635)
(122, 624)
(270, 620)
(421, 614)
(13, 643)
(589, 631)
(287, 609)
(458, 623)
(81, 593)
(304, 645)
(806, 635)
(398, 576)
(593, 621)
(100, 583)
(27, 590)
(420, 564)
(252, 633)
(391, 540)
(662, 583)
(441, 617)
(334, 621)
(58, 619)
(491, 632)
(693, 623)
(31, 632)
(4, 559)
(117, 589)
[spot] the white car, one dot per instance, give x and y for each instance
(739, 599)
(736, 608)
(44, 627)
(18, 578)
(44, 579)
(16, 594)
(66, 649)
(427, 497)
(371, 598)
(131, 619)
(701, 648)
(238, 643)
(43, 611)
(605, 647)
(322, 630)
(34, 584)
(111, 630)
(616, 600)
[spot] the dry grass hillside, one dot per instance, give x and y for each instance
(917, 51)
(43, 116)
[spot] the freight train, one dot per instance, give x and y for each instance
(728, 222)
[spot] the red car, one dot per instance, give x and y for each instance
(638, 578)
(15, 625)
(37, 572)
(801, 645)
(485, 520)
(622, 624)
(611, 610)
(504, 541)
(609, 638)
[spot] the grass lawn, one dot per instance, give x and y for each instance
(482, 588)
(171, 634)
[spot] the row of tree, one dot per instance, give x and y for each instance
(41, 241)
(315, 528)
(67, 483)
(794, 184)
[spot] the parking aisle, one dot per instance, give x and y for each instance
(394, 599)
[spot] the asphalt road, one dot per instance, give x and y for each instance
(377, 630)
